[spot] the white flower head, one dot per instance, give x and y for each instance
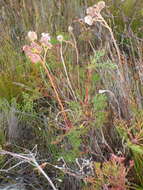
(89, 10)
(45, 40)
(46, 36)
(88, 20)
(32, 36)
(60, 38)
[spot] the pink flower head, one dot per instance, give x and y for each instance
(34, 58)
(45, 40)
(36, 48)
(33, 48)
(32, 54)
(27, 49)
(32, 36)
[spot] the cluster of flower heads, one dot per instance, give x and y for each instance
(35, 49)
(93, 13)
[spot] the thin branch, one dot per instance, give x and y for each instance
(30, 158)
(65, 69)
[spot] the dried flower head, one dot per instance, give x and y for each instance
(95, 10)
(32, 36)
(70, 29)
(88, 20)
(98, 7)
(60, 38)
(101, 5)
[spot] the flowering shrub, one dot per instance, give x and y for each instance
(37, 52)
(89, 89)
(112, 175)
(80, 92)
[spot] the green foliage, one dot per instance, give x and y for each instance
(137, 149)
(113, 173)
(127, 13)
(100, 103)
(27, 104)
(138, 160)
(73, 145)
(76, 113)
(106, 65)
(95, 77)
(98, 55)
(2, 137)
(132, 136)
(97, 61)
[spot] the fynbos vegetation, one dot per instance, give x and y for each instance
(71, 102)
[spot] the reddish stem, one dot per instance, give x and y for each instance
(66, 120)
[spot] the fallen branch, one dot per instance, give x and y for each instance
(30, 158)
